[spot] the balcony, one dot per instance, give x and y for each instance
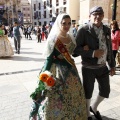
(57, 3)
(2, 2)
(50, 15)
(19, 11)
(56, 14)
(64, 2)
(44, 6)
(50, 5)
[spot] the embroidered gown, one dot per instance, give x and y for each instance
(66, 100)
(5, 46)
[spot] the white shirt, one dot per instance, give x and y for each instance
(20, 30)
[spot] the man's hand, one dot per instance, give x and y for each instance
(112, 71)
(98, 53)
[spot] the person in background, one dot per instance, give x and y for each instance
(5, 30)
(51, 23)
(11, 31)
(17, 33)
(75, 29)
(73, 25)
(39, 34)
(50, 26)
(43, 32)
(66, 101)
(94, 45)
(35, 30)
(5, 46)
(29, 30)
(47, 31)
(25, 31)
(115, 37)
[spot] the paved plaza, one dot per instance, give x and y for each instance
(18, 78)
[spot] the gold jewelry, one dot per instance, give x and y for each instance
(64, 36)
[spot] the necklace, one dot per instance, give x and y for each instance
(64, 36)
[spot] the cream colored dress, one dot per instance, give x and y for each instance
(5, 46)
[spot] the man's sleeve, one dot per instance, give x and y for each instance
(20, 30)
(81, 42)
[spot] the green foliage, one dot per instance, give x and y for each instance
(38, 91)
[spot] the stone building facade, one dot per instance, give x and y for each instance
(107, 5)
(12, 11)
(39, 12)
(44, 11)
(26, 11)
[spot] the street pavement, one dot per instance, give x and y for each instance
(19, 75)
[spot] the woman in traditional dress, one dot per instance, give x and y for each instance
(66, 100)
(5, 46)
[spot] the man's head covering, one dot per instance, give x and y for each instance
(96, 9)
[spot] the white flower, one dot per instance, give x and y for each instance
(48, 73)
(46, 86)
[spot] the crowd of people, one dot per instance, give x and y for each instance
(27, 30)
(96, 43)
(40, 31)
(16, 32)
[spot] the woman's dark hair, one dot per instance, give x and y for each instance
(115, 23)
(66, 16)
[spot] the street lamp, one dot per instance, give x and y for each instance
(12, 10)
(114, 10)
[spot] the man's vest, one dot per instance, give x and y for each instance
(16, 31)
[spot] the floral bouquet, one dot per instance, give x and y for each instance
(46, 81)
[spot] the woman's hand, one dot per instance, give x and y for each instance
(86, 47)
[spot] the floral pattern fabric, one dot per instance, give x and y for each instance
(66, 100)
(5, 47)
